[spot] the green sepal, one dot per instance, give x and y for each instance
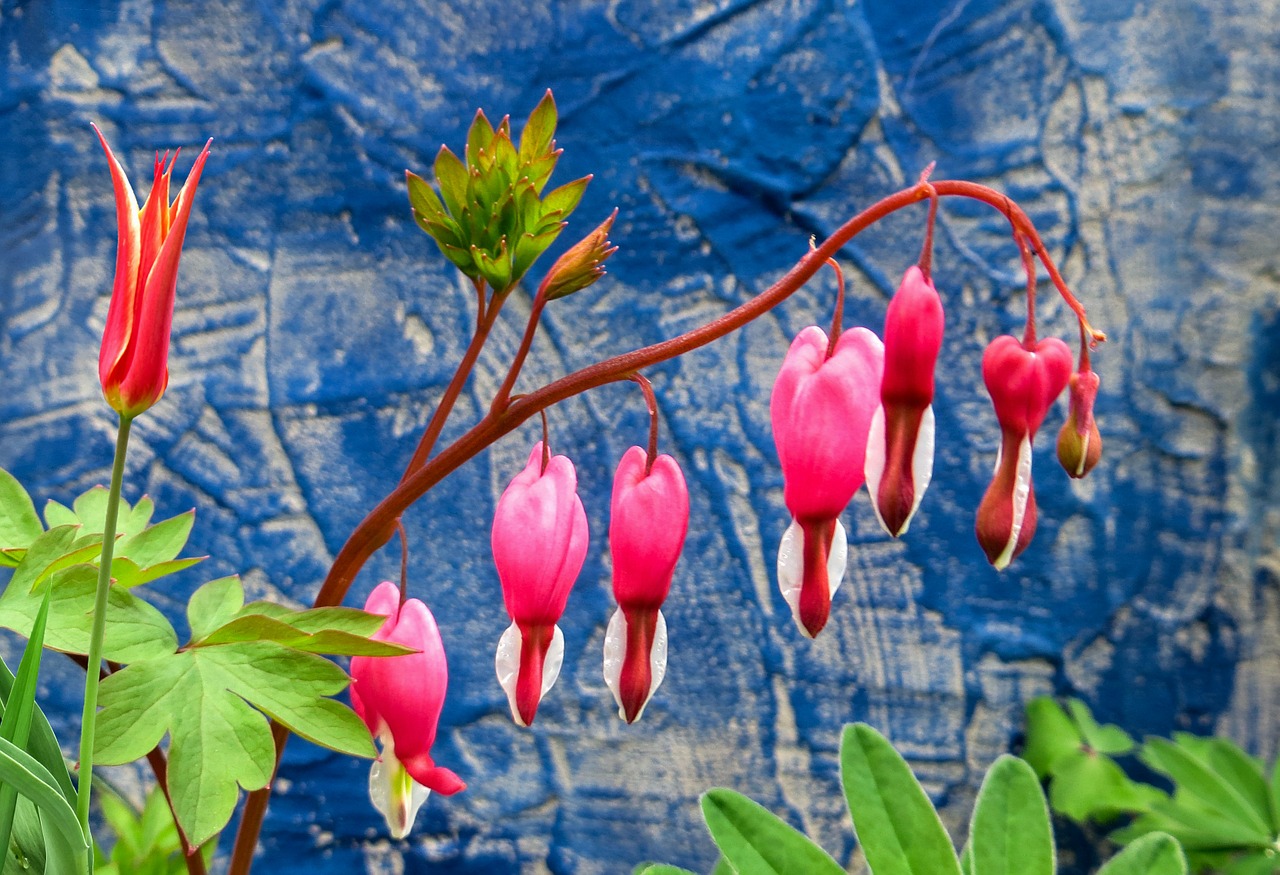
(564, 200)
(757, 842)
(538, 136)
(479, 136)
(451, 175)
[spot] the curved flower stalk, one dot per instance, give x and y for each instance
(821, 410)
(133, 365)
(539, 544)
(1023, 381)
(900, 446)
(400, 699)
(648, 521)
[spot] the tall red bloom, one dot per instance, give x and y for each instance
(539, 544)
(133, 365)
(648, 521)
(821, 410)
(1023, 384)
(400, 699)
(900, 446)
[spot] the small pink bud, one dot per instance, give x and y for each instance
(400, 698)
(821, 412)
(133, 364)
(1079, 441)
(539, 544)
(1023, 384)
(900, 446)
(648, 521)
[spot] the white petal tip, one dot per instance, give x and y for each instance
(791, 566)
(507, 665)
(615, 652)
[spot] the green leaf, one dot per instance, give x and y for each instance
(337, 619)
(1258, 863)
(756, 842)
(19, 711)
(564, 199)
(1154, 854)
(722, 867)
(1050, 735)
(1235, 767)
(135, 629)
(91, 510)
(1107, 739)
(218, 742)
(1010, 833)
(19, 525)
(159, 543)
(41, 742)
(259, 628)
(539, 130)
(1089, 785)
(661, 869)
(214, 604)
(966, 859)
(896, 824)
(1196, 829)
(51, 547)
(423, 198)
(1199, 780)
(451, 175)
(126, 573)
(57, 514)
(65, 843)
(139, 517)
(479, 137)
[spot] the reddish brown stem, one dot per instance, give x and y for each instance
(650, 402)
(502, 399)
(837, 318)
(371, 532)
(1029, 265)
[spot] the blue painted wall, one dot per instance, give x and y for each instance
(316, 325)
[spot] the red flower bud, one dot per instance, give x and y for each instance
(1023, 384)
(1079, 441)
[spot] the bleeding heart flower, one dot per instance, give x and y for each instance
(648, 521)
(539, 544)
(821, 412)
(1079, 441)
(1023, 384)
(900, 446)
(400, 699)
(133, 364)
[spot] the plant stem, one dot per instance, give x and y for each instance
(378, 526)
(94, 662)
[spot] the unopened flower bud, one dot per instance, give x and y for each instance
(1079, 442)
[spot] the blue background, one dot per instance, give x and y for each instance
(316, 325)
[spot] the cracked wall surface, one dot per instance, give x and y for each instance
(316, 325)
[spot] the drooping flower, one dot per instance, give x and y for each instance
(539, 544)
(133, 364)
(400, 699)
(900, 446)
(1079, 441)
(1023, 384)
(821, 412)
(648, 522)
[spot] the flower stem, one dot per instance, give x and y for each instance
(94, 663)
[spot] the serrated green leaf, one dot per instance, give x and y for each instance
(135, 629)
(1109, 739)
(1089, 785)
(757, 842)
(1154, 854)
(44, 551)
(495, 270)
(1234, 767)
(91, 510)
(536, 139)
(126, 573)
(19, 524)
(896, 823)
(564, 200)
(479, 136)
(11, 557)
(251, 627)
(159, 543)
(139, 517)
(1197, 779)
(57, 514)
(506, 161)
(335, 619)
(1050, 736)
(1011, 833)
(214, 604)
(1195, 829)
(451, 175)
(422, 197)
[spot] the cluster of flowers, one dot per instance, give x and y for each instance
(852, 408)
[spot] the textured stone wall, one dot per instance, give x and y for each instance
(316, 325)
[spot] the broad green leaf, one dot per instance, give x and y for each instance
(65, 843)
(26, 852)
(1154, 854)
(338, 619)
(135, 629)
(757, 842)
(1010, 832)
(19, 524)
(91, 509)
(1107, 739)
(1234, 766)
(722, 867)
(661, 869)
(1089, 785)
(217, 742)
(1050, 735)
(1199, 780)
(159, 543)
(1195, 829)
(41, 742)
(1274, 787)
(139, 517)
(255, 627)
(58, 514)
(896, 823)
(127, 573)
(44, 551)
(214, 604)
(536, 138)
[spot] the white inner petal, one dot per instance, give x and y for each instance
(615, 650)
(507, 663)
(921, 464)
(791, 565)
(395, 795)
(1021, 494)
(874, 467)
